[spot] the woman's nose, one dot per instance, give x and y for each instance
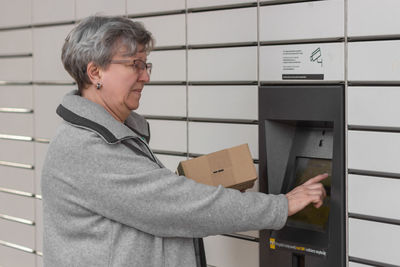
(144, 76)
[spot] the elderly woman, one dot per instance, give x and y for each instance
(108, 201)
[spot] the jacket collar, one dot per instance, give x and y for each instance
(84, 113)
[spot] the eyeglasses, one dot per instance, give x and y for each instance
(137, 64)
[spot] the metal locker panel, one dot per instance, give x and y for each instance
(306, 20)
(17, 233)
(381, 64)
(353, 264)
(222, 251)
(85, 8)
(374, 151)
(16, 124)
(16, 69)
(47, 44)
(302, 62)
(17, 178)
(16, 151)
(210, 3)
(223, 64)
(384, 101)
(47, 99)
(15, 42)
(170, 162)
(17, 206)
(48, 11)
(153, 6)
(168, 65)
(205, 138)
(223, 102)
(254, 234)
(370, 195)
(11, 257)
(163, 37)
(374, 241)
(168, 135)
(373, 17)
(225, 26)
(15, 13)
(163, 100)
(40, 154)
(39, 225)
(39, 261)
(16, 96)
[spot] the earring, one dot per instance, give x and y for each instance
(98, 86)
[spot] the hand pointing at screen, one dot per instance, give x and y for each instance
(311, 192)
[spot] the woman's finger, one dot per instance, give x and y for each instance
(317, 179)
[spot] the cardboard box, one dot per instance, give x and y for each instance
(232, 167)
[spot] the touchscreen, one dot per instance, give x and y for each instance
(312, 218)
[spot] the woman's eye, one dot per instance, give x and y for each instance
(139, 66)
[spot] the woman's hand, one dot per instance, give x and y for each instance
(311, 191)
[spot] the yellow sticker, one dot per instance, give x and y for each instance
(272, 243)
(300, 248)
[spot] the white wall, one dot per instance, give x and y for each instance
(204, 93)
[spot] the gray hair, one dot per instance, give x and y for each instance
(97, 39)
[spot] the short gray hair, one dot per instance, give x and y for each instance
(96, 39)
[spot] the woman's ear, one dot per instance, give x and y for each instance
(94, 73)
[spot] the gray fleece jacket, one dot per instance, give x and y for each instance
(108, 201)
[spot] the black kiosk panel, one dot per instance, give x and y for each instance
(301, 135)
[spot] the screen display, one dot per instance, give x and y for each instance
(312, 218)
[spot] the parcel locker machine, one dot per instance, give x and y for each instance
(301, 135)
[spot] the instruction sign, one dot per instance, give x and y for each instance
(305, 63)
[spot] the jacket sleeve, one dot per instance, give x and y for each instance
(114, 182)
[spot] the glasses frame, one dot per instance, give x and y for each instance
(138, 64)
